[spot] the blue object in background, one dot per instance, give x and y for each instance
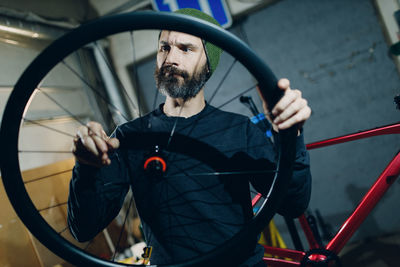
(215, 8)
(261, 117)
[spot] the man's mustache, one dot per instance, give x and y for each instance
(171, 70)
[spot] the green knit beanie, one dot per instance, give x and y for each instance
(213, 52)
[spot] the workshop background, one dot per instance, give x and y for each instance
(336, 52)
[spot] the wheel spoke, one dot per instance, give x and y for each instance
(112, 70)
(194, 180)
(222, 81)
(48, 127)
(215, 92)
(223, 173)
(237, 96)
(122, 228)
(193, 125)
(243, 33)
(47, 176)
(186, 201)
(134, 74)
(220, 106)
(196, 220)
(53, 206)
(87, 245)
(96, 91)
(63, 230)
(176, 216)
(44, 151)
(174, 127)
(155, 99)
(61, 106)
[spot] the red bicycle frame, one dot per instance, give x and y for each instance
(371, 198)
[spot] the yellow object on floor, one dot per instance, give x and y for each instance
(271, 237)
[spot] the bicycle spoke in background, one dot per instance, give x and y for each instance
(237, 96)
(74, 117)
(134, 74)
(193, 179)
(48, 127)
(122, 228)
(174, 127)
(155, 100)
(193, 125)
(185, 216)
(96, 91)
(216, 91)
(63, 230)
(47, 176)
(189, 176)
(53, 206)
(44, 151)
(243, 33)
(61, 106)
(176, 217)
(222, 173)
(112, 70)
(222, 80)
(88, 244)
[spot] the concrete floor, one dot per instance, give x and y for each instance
(383, 251)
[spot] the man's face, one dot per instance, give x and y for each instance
(181, 70)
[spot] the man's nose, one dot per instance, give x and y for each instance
(172, 57)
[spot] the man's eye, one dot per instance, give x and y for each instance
(165, 48)
(186, 49)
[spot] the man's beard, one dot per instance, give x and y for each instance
(172, 86)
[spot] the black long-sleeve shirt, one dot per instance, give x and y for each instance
(187, 211)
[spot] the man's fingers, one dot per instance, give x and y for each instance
(95, 128)
(301, 116)
(104, 135)
(82, 131)
(92, 144)
(93, 134)
(291, 110)
(87, 154)
(284, 83)
(101, 144)
(113, 143)
(82, 154)
(285, 101)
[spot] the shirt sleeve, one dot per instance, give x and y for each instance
(96, 196)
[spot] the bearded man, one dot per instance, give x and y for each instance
(183, 212)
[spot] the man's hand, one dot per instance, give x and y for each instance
(291, 109)
(91, 145)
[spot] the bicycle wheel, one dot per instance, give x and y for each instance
(56, 52)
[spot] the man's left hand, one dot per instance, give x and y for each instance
(291, 109)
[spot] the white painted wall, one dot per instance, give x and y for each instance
(61, 85)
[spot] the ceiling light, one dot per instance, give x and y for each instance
(17, 31)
